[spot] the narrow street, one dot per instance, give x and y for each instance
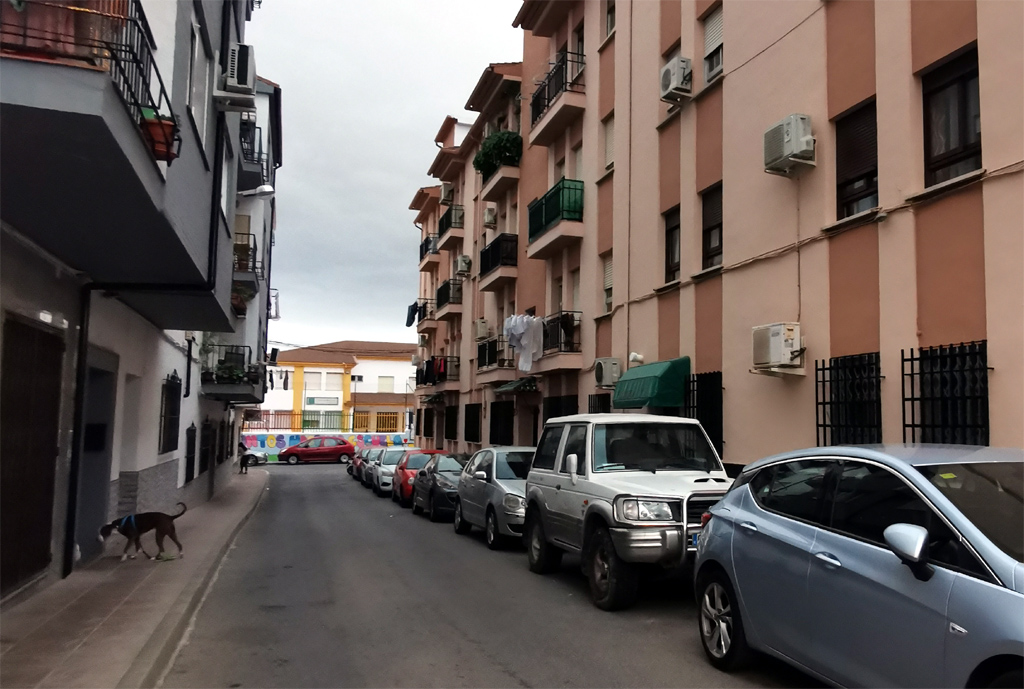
(329, 585)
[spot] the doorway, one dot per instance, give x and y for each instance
(97, 453)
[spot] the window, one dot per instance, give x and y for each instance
(451, 422)
(170, 413)
(472, 433)
(952, 120)
(856, 162)
(313, 443)
(652, 446)
(311, 380)
(387, 422)
(712, 224)
(503, 418)
(357, 379)
(609, 142)
(577, 164)
(575, 443)
(544, 457)
(574, 281)
(385, 383)
(198, 82)
(945, 394)
(487, 465)
(672, 245)
(474, 461)
(608, 284)
(333, 381)
(600, 403)
(513, 465)
(361, 421)
(418, 428)
(849, 400)
(577, 41)
(330, 442)
(713, 45)
(226, 176)
(794, 489)
(609, 17)
(428, 423)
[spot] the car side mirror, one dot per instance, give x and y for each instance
(480, 475)
(422, 473)
(570, 462)
(910, 544)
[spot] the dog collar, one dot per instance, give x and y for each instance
(130, 517)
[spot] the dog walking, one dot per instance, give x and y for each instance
(134, 525)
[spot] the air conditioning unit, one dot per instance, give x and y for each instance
(237, 92)
(463, 264)
(677, 80)
(777, 345)
(458, 216)
(424, 341)
(788, 144)
(490, 217)
(482, 330)
(607, 371)
(447, 194)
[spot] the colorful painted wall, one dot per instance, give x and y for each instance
(273, 443)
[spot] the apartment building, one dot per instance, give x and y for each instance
(139, 157)
(812, 236)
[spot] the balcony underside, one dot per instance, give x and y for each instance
(502, 181)
(567, 108)
(552, 241)
(495, 375)
(426, 325)
(247, 279)
(239, 393)
(449, 312)
(557, 362)
(452, 239)
(250, 174)
(430, 262)
(496, 280)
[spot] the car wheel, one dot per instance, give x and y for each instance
(614, 583)
(543, 557)
(432, 512)
(416, 509)
(491, 533)
(1013, 678)
(462, 527)
(292, 459)
(344, 459)
(719, 623)
(350, 470)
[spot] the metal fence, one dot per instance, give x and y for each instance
(424, 309)
(503, 251)
(945, 394)
(453, 217)
(450, 292)
(229, 364)
(848, 398)
(564, 201)
(494, 352)
(246, 253)
(328, 421)
(428, 246)
(562, 331)
(565, 75)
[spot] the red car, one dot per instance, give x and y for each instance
(321, 448)
(405, 473)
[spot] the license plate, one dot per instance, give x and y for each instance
(694, 539)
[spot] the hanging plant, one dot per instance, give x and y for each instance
(500, 148)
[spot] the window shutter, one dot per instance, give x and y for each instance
(712, 207)
(609, 142)
(712, 31)
(608, 273)
(856, 144)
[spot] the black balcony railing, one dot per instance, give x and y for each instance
(450, 292)
(428, 246)
(562, 331)
(564, 201)
(111, 35)
(251, 138)
(245, 252)
(438, 369)
(424, 309)
(494, 353)
(566, 75)
(453, 217)
(229, 364)
(502, 251)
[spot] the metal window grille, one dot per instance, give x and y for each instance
(503, 417)
(190, 453)
(472, 434)
(565, 405)
(451, 422)
(600, 403)
(170, 413)
(361, 422)
(704, 403)
(205, 445)
(429, 430)
(848, 399)
(387, 422)
(945, 394)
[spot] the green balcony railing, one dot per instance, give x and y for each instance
(564, 201)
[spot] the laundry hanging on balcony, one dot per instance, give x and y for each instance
(410, 316)
(525, 334)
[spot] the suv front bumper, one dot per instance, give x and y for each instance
(665, 545)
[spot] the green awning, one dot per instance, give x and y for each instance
(528, 384)
(433, 398)
(660, 384)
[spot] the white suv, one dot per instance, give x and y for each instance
(623, 490)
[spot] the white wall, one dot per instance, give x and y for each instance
(162, 16)
(372, 369)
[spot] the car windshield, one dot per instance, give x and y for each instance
(392, 457)
(417, 461)
(450, 465)
(513, 465)
(652, 447)
(991, 495)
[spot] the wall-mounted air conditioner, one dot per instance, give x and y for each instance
(777, 345)
(237, 87)
(447, 194)
(788, 144)
(677, 80)
(607, 371)
(463, 264)
(481, 329)
(490, 217)
(458, 216)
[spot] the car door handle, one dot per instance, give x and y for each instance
(749, 526)
(829, 559)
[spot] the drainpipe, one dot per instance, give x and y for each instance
(188, 369)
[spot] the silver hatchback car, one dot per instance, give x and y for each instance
(892, 566)
(492, 489)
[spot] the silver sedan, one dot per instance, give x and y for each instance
(492, 491)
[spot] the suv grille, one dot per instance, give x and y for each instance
(698, 505)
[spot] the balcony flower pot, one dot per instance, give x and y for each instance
(160, 130)
(500, 148)
(208, 377)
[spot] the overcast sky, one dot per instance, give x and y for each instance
(365, 87)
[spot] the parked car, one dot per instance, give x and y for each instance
(893, 566)
(625, 491)
(253, 458)
(382, 472)
(364, 470)
(492, 494)
(405, 474)
(437, 485)
(320, 448)
(357, 462)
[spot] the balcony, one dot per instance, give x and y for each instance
(248, 271)
(498, 263)
(430, 258)
(450, 228)
(254, 163)
(442, 371)
(425, 320)
(561, 343)
(556, 219)
(449, 299)
(229, 374)
(494, 361)
(558, 101)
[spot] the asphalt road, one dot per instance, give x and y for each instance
(330, 586)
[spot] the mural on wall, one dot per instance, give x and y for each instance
(273, 443)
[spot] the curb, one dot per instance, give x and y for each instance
(152, 660)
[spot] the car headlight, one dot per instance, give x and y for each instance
(387, 472)
(646, 510)
(513, 503)
(411, 480)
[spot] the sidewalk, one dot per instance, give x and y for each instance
(117, 623)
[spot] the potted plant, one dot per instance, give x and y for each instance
(161, 131)
(208, 376)
(254, 374)
(500, 148)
